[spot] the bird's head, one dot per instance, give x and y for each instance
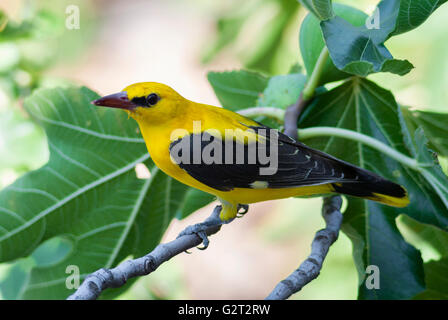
(145, 101)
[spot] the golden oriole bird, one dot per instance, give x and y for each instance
(190, 142)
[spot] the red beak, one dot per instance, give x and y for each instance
(117, 100)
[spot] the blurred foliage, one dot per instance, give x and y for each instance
(30, 44)
(424, 86)
(294, 226)
(258, 30)
(37, 42)
(433, 244)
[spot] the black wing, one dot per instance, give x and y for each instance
(297, 165)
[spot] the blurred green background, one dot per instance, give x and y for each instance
(176, 42)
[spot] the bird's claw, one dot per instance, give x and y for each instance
(200, 229)
(205, 241)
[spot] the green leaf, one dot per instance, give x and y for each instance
(362, 106)
(322, 9)
(11, 30)
(243, 89)
(412, 13)
(358, 50)
(443, 161)
(312, 42)
(436, 280)
(434, 125)
(17, 275)
(87, 194)
(431, 170)
(14, 278)
(237, 89)
(25, 147)
(3, 20)
(430, 240)
(194, 198)
(282, 91)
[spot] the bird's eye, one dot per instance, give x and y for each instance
(152, 99)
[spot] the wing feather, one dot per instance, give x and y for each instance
(298, 164)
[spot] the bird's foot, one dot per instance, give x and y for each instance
(200, 229)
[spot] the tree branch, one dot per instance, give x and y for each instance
(102, 279)
(310, 268)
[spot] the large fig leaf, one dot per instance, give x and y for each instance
(87, 194)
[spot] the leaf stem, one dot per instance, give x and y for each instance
(314, 132)
(367, 140)
(313, 80)
(294, 111)
(271, 112)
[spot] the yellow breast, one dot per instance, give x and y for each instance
(198, 118)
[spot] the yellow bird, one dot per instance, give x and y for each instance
(238, 160)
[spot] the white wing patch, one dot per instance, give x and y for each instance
(259, 185)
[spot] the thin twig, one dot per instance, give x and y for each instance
(102, 279)
(294, 111)
(292, 114)
(310, 268)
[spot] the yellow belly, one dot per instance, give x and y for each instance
(246, 196)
